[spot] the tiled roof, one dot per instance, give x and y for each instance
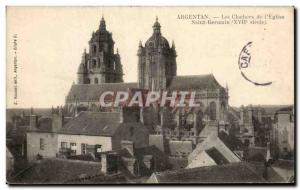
(57, 171)
(92, 92)
(228, 173)
(190, 82)
(93, 123)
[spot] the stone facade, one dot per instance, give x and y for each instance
(41, 143)
(156, 61)
(157, 71)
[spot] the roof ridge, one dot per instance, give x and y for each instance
(100, 84)
(194, 75)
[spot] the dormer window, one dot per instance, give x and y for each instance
(94, 63)
(94, 48)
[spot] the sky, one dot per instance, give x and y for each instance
(51, 40)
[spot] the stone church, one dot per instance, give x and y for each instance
(101, 70)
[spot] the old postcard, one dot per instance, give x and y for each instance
(155, 95)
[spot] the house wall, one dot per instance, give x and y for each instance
(105, 142)
(203, 159)
(33, 145)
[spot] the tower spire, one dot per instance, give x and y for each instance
(173, 44)
(102, 24)
(156, 27)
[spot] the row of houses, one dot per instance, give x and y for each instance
(123, 145)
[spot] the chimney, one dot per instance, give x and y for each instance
(241, 116)
(259, 114)
(161, 118)
(121, 115)
(250, 112)
(147, 161)
(268, 156)
(142, 115)
(57, 120)
(195, 123)
(33, 122)
(128, 145)
(104, 163)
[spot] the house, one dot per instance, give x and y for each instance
(212, 151)
(134, 162)
(283, 134)
(225, 174)
(88, 132)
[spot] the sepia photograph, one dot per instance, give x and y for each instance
(150, 95)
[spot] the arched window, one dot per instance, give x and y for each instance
(88, 81)
(71, 108)
(131, 130)
(223, 108)
(212, 111)
(94, 63)
(96, 80)
(94, 107)
(94, 48)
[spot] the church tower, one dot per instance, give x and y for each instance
(101, 64)
(156, 61)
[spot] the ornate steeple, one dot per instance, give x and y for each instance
(156, 61)
(100, 64)
(102, 24)
(156, 27)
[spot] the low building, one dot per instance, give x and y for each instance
(212, 151)
(283, 134)
(88, 132)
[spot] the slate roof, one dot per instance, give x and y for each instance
(228, 173)
(286, 164)
(92, 92)
(190, 82)
(217, 156)
(93, 123)
(57, 171)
